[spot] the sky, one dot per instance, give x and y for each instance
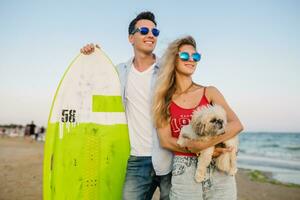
(250, 51)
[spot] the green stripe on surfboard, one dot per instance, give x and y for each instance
(84, 155)
(103, 103)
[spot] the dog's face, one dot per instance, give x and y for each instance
(209, 121)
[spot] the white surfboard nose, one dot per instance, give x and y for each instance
(89, 82)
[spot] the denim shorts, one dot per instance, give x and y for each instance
(223, 187)
(141, 180)
(216, 185)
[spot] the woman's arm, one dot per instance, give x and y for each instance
(232, 128)
(167, 141)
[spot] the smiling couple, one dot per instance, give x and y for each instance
(159, 98)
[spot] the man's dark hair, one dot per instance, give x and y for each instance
(143, 15)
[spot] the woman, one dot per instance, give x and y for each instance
(176, 97)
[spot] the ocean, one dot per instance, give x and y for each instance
(278, 153)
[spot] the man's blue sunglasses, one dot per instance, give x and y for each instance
(145, 31)
(185, 56)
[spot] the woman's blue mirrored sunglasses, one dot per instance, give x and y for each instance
(145, 31)
(185, 56)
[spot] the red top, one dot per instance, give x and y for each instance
(182, 116)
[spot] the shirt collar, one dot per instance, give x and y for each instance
(130, 62)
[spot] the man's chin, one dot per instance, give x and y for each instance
(149, 49)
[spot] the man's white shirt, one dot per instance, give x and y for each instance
(138, 111)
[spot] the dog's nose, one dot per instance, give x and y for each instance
(220, 123)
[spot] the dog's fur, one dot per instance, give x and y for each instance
(206, 123)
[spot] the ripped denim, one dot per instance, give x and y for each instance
(216, 185)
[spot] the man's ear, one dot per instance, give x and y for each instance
(131, 39)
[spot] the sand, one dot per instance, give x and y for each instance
(21, 175)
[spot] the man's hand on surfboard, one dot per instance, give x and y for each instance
(89, 48)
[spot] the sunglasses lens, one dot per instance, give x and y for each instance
(155, 32)
(196, 57)
(144, 30)
(184, 56)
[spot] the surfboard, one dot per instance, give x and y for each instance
(87, 143)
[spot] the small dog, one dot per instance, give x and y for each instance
(206, 123)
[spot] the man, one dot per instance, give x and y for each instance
(149, 166)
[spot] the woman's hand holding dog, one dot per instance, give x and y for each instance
(219, 150)
(195, 146)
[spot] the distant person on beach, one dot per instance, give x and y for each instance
(40, 133)
(42, 130)
(32, 127)
(176, 97)
(37, 133)
(2, 132)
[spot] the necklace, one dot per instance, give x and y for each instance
(186, 90)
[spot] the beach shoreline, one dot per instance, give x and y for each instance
(21, 175)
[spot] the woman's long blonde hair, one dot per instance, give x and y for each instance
(166, 81)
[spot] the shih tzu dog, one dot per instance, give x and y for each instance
(206, 123)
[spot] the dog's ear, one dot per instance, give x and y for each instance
(203, 129)
(200, 129)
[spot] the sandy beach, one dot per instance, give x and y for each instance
(21, 175)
